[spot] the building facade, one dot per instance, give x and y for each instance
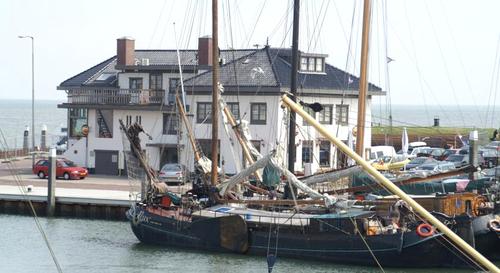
(140, 86)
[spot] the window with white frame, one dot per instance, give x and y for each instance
(234, 107)
(135, 83)
(312, 64)
(342, 114)
(204, 112)
(325, 115)
(170, 124)
(155, 81)
(324, 153)
(307, 151)
(258, 113)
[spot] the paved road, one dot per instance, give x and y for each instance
(22, 169)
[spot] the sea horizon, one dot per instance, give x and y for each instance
(15, 116)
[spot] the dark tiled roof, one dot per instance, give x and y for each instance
(245, 68)
(271, 67)
(252, 70)
(88, 78)
(85, 77)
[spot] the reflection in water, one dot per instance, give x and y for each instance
(107, 246)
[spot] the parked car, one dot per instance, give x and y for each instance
(424, 151)
(174, 173)
(417, 161)
(64, 168)
(439, 153)
(415, 151)
(449, 152)
(494, 145)
(491, 157)
(493, 172)
(460, 160)
(438, 166)
(377, 152)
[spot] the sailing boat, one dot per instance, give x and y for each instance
(358, 236)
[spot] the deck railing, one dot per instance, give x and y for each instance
(116, 96)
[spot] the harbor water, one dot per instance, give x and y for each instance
(110, 246)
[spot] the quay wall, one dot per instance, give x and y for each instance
(66, 207)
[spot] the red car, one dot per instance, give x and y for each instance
(65, 168)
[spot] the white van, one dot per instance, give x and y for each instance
(377, 152)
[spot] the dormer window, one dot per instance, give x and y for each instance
(312, 64)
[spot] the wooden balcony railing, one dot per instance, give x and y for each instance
(117, 96)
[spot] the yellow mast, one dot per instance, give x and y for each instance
(363, 79)
(478, 257)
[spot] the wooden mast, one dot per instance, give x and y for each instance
(182, 112)
(292, 149)
(363, 79)
(215, 93)
(243, 144)
(478, 257)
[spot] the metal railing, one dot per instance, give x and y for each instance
(116, 96)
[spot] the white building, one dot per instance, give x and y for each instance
(139, 85)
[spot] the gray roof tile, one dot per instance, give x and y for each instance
(245, 68)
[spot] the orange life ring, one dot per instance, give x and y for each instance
(425, 230)
(494, 225)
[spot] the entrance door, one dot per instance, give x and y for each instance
(168, 155)
(106, 162)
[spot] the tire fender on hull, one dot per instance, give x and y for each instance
(228, 233)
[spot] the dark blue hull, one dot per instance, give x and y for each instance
(394, 250)
(487, 241)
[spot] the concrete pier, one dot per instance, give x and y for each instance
(70, 203)
(95, 197)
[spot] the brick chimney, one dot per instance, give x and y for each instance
(125, 51)
(205, 51)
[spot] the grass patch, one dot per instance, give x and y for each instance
(430, 131)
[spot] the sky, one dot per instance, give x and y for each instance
(444, 52)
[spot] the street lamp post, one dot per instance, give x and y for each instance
(32, 96)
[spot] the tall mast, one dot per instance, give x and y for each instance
(293, 86)
(363, 81)
(215, 92)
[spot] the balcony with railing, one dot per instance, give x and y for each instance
(118, 97)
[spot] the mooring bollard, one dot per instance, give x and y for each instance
(51, 198)
(26, 144)
(473, 153)
(43, 138)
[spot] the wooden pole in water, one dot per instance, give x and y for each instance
(363, 79)
(478, 257)
(51, 184)
(215, 92)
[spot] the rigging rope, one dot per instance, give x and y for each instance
(17, 178)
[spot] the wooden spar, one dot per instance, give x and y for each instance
(278, 202)
(405, 182)
(215, 93)
(244, 145)
(478, 257)
(182, 112)
(363, 79)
